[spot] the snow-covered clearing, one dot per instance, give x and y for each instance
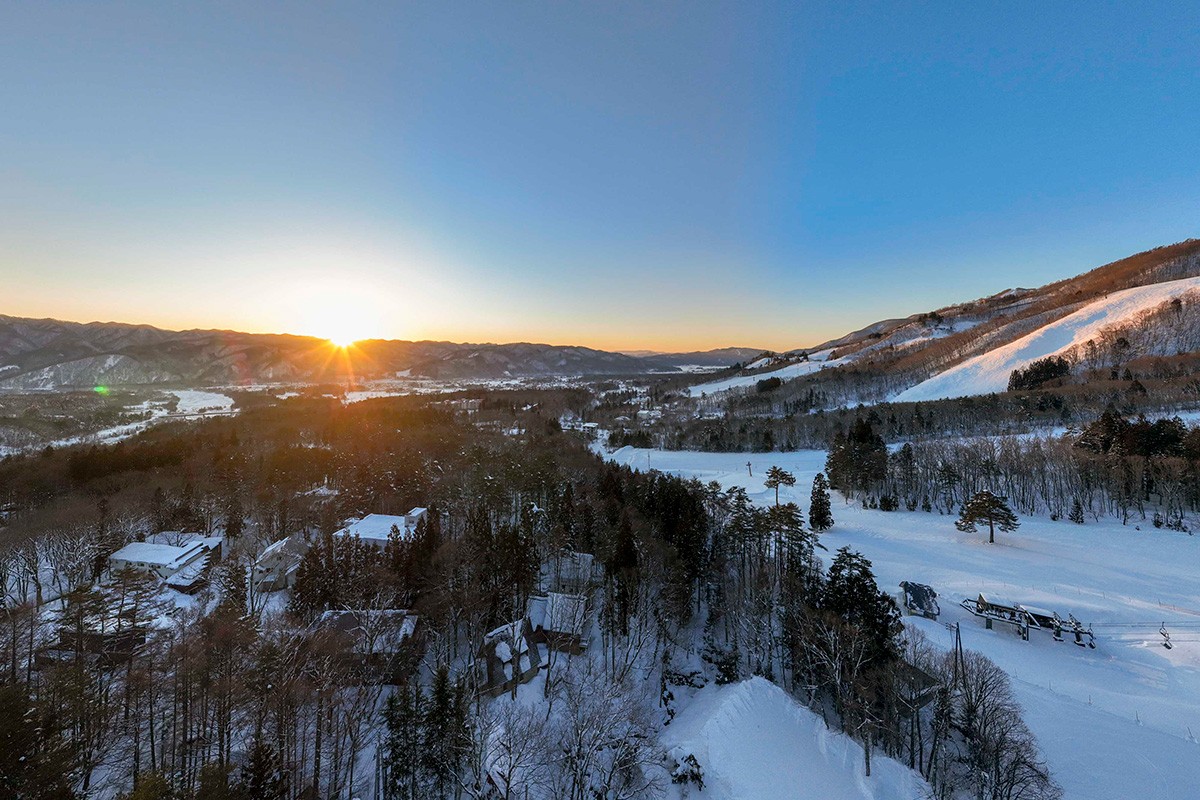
(192, 401)
(372, 394)
(1119, 721)
(752, 740)
(989, 372)
(783, 373)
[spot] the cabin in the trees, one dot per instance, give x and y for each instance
(570, 572)
(508, 657)
(374, 646)
(93, 644)
(163, 560)
(915, 686)
(560, 621)
(376, 529)
(279, 564)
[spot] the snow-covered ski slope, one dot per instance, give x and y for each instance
(815, 362)
(989, 372)
(752, 740)
(1120, 721)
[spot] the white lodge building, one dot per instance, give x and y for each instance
(163, 560)
(377, 528)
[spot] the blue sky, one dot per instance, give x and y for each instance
(619, 175)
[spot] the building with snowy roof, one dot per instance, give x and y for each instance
(570, 572)
(560, 621)
(376, 646)
(377, 529)
(508, 657)
(277, 566)
(163, 560)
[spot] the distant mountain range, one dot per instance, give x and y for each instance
(48, 353)
(967, 348)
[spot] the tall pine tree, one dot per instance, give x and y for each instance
(403, 717)
(820, 514)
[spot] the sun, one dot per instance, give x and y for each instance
(343, 312)
(343, 340)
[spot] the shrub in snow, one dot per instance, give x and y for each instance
(724, 660)
(688, 771)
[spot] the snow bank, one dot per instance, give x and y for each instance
(753, 741)
(989, 372)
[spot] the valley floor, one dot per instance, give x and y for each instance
(1119, 721)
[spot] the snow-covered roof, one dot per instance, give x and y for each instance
(993, 600)
(379, 630)
(507, 637)
(159, 555)
(295, 545)
(558, 613)
(378, 527)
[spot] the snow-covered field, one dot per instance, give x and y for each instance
(1119, 721)
(192, 401)
(989, 372)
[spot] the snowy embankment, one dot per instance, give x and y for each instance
(989, 372)
(816, 361)
(1119, 721)
(752, 741)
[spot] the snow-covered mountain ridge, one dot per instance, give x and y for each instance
(989, 372)
(47, 353)
(972, 347)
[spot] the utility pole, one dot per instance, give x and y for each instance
(959, 665)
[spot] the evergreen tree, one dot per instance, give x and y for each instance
(214, 784)
(857, 460)
(820, 514)
(1076, 514)
(234, 516)
(987, 507)
(403, 718)
(262, 776)
(776, 477)
(851, 594)
(150, 786)
(231, 580)
(34, 763)
(440, 752)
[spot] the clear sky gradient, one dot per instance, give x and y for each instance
(667, 176)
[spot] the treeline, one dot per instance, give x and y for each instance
(1141, 386)
(1114, 467)
(1038, 374)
